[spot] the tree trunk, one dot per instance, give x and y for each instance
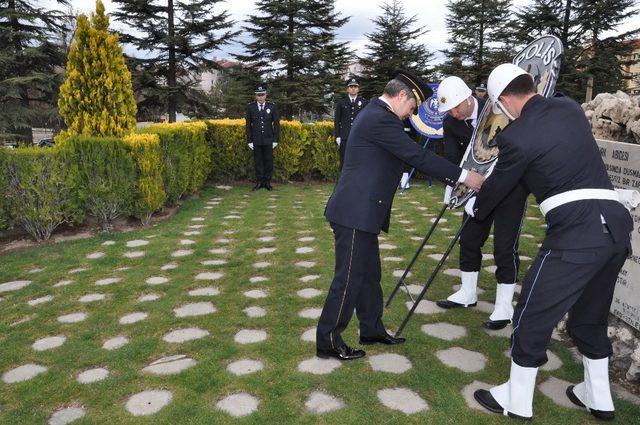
(480, 71)
(566, 23)
(288, 106)
(171, 76)
(25, 133)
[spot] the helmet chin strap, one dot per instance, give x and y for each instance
(505, 111)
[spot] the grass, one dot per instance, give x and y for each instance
(282, 390)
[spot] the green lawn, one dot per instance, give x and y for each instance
(292, 211)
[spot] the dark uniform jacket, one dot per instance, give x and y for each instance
(378, 148)
(457, 135)
(345, 114)
(263, 128)
(550, 148)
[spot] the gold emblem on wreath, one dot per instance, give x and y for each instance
(443, 99)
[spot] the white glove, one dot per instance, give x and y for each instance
(338, 141)
(251, 146)
(447, 194)
(468, 208)
(274, 145)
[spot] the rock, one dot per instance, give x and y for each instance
(148, 402)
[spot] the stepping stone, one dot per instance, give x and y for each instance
(310, 313)
(136, 243)
(73, 317)
(393, 259)
(304, 250)
(390, 363)
(23, 373)
(156, 280)
(41, 300)
(255, 293)
(491, 269)
(416, 238)
(266, 239)
(197, 219)
(425, 307)
(195, 309)
(229, 232)
(261, 264)
(148, 402)
(430, 247)
(402, 399)
(411, 230)
(527, 235)
(265, 250)
(133, 254)
(63, 283)
(121, 269)
(171, 365)
(223, 240)
(209, 276)
(399, 273)
(133, 318)
(231, 217)
(306, 264)
(182, 253)
(387, 246)
(48, 343)
(66, 416)
(148, 297)
(452, 272)
(309, 278)
(533, 218)
(309, 335)
(218, 251)
(458, 213)
(505, 332)
(213, 262)
(623, 394)
(445, 229)
(309, 293)
(95, 255)
(197, 226)
(442, 220)
(245, 367)
(14, 285)
(443, 330)
(89, 298)
(108, 281)
(169, 266)
(467, 394)
(436, 257)
(255, 312)
(187, 242)
(183, 335)
(192, 233)
(525, 258)
(404, 222)
(306, 239)
(92, 375)
(250, 336)
(209, 291)
(238, 405)
(78, 270)
(465, 360)
(115, 343)
(555, 389)
(414, 289)
(318, 366)
(257, 279)
(108, 243)
(485, 307)
(320, 402)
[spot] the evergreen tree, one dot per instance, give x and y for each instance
(391, 46)
(177, 36)
(97, 99)
(31, 59)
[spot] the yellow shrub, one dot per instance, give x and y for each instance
(147, 154)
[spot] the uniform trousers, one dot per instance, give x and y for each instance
(263, 162)
(355, 285)
(341, 150)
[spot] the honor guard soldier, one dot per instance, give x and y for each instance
(360, 207)
(463, 110)
(550, 147)
(347, 109)
(263, 134)
(481, 91)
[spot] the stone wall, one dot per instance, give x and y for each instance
(614, 117)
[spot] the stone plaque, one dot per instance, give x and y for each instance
(623, 165)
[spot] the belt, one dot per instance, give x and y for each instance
(577, 195)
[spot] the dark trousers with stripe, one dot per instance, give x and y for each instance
(507, 222)
(355, 285)
(577, 281)
(263, 162)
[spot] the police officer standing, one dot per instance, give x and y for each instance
(550, 147)
(263, 134)
(347, 109)
(481, 91)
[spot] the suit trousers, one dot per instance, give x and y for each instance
(355, 285)
(263, 162)
(580, 282)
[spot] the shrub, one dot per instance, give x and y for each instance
(231, 159)
(149, 195)
(288, 155)
(5, 219)
(326, 159)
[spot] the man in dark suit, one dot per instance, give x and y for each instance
(263, 134)
(550, 148)
(360, 207)
(463, 112)
(347, 109)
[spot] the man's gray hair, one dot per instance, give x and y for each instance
(394, 87)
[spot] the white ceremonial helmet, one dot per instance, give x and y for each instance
(451, 92)
(499, 79)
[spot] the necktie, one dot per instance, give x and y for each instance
(261, 106)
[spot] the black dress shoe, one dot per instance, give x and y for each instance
(268, 186)
(341, 353)
(452, 304)
(487, 401)
(605, 415)
(257, 186)
(382, 339)
(496, 325)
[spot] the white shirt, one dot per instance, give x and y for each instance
(474, 115)
(352, 99)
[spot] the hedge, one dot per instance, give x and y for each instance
(149, 195)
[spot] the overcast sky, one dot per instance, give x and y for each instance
(430, 14)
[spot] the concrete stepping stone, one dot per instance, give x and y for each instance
(73, 317)
(250, 336)
(555, 389)
(108, 281)
(192, 233)
(231, 217)
(404, 221)
(320, 402)
(195, 309)
(255, 312)
(425, 307)
(309, 293)
(108, 243)
(196, 226)
(187, 242)
(258, 279)
(267, 239)
(623, 394)
(399, 273)
(255, 293)
(430, 247)
(170, 266)
(95, 255)
(179, 336)
(460, 358)
(49, 343)
(218, 251)
(182, 253)
(238, 405)
(525, 258)
(41, 300)
(133, 254)
(393, 259)
(452, 272)
(387, 246)
(504, 333)
(23, 373)
(491, 269)
(310, 313)
(148, 297)
(553, 362)
(486, 257)
(156, 280)
(115, 343)
(262, 264)
(265, 250)
(171, 365)
(14, 285)
(224, 187)
(306, 239)
(304, 250)
(309, 335)
(148, 402)
(66, 416)
(533, 218)
(309, 278)
(442, 220)
(390, 363)
(137, 243)
(245, 367)
(209, 291)
(436, 257)
(306, 264)
(485, 307)
(442, 330)
(78, 270)
(197, 219)
(213, 262)
(92, 375)
(467, 394)
(122, 269)
(63, 283)
(318, 366)
(89, 298)
(416, 238)
(209, 276)
(130, 318)
(223, 240)
(402, 399)
(413, 289)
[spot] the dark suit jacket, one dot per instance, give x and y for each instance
(263, 128)
(378, 148)
(551, 149)
(344, 116)
(457, 135)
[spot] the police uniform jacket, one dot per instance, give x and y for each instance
(550, 148)
(345, 114)
(263, 128)
(378, 147)
(457, 135)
